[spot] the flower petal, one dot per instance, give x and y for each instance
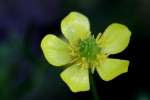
(75, 26)
(115, 38)
(76, 77)
(111, 68)
(55, 50)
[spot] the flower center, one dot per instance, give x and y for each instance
(89, 49)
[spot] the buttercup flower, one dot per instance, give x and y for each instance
(83, 53)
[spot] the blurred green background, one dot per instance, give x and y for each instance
(26, 75)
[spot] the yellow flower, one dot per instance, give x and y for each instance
(82, 51)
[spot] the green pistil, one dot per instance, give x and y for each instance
(89, 48)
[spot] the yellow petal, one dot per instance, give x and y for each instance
(111, 68)
(75, 26)
(76, 77)
(115, 38)
(55, 50)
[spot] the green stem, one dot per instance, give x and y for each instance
(93, 87)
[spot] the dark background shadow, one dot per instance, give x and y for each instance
(26, 75)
